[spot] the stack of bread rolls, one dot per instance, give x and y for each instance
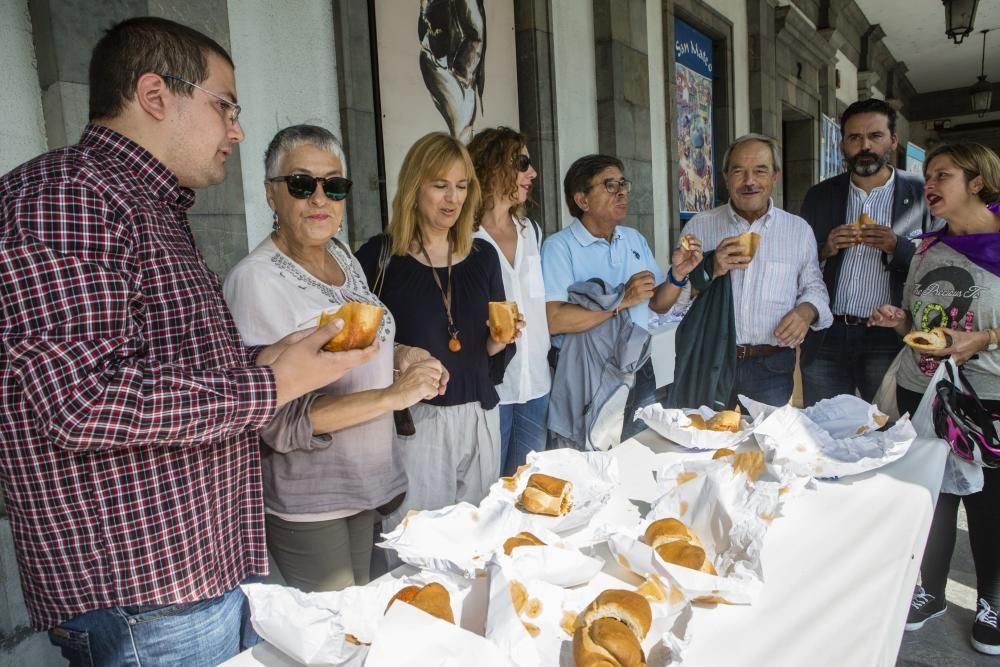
(676, 543)
(612, 630)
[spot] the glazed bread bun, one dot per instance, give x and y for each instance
(726, 420)
(503, 320)
(432, 598)
(607, 643)
(927, 341)
(749, 241)
(361, 323)
(628, 607)
(546, 495)
(676, 543)
(863, 220)
(522, 539)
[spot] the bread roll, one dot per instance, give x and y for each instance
(546, 495)
(629, 607)
(432, 598)
(361, 323)
(725, 420)
(607, 643)
(503, 320)
(749, 242)
(927, 341)
(522, 539)
(676, 543)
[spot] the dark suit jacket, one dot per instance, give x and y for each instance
(825, 207)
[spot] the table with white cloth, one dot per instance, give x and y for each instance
(839, 570)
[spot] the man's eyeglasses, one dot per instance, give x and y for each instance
(522, 162)
(302, 186)
(614, 186)
(235, 109)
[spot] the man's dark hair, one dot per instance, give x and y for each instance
(146, 44)
(871, 105)
(579, 174)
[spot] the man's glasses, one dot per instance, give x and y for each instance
(614, 186)
(522, 162)
(302, 186)
(235, 109)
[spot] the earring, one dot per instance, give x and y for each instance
(274, 222)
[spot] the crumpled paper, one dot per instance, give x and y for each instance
(323, 620)
(552, 612)
(832, 439)
(593, 475)
(729, 516)
(675, 425)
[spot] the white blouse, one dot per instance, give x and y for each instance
(527, 376)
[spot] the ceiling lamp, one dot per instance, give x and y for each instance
(982, 91)
(959, 17)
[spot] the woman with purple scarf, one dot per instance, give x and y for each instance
(954, 283)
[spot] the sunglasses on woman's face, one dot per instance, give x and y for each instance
(302, 186)
(522, 162)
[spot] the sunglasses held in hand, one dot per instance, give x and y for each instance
(302, 186)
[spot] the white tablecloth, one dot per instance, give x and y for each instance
(839, 569)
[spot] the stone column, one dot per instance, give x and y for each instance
(623, 129)
(536, 97)
(367, 213)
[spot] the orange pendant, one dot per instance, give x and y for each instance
(454, 345)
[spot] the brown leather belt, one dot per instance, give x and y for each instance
(749, 351)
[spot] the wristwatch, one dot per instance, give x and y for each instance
(994, 343)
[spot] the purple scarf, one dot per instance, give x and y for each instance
(981, 249)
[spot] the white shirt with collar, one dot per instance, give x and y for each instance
(783, 274)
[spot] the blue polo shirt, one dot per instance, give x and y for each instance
(574, 255)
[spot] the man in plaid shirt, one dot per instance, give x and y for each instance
(128, 406)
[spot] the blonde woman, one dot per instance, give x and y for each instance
(438, 281)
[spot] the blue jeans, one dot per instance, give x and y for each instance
(851, 358)
(522, 430)
(766, 379)
(205, 632)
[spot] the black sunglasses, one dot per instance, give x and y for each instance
(521, 162)
(302, 186)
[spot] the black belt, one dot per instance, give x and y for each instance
(748, 351)
(850, 320)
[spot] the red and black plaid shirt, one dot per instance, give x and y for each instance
(128, 405)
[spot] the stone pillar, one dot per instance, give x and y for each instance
(65, 32)
(367, 213)
(623, 128)
(765, 110)
(536, 97)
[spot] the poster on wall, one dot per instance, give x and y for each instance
(914, 159)
(693, 58)
(831, 158)
(443, 66)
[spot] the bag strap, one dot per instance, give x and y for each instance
(384, 255)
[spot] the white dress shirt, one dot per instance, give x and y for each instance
(527, 377)
(783, 274)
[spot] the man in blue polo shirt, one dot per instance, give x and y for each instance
(597, 246)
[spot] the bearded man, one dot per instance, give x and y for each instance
(865, 222)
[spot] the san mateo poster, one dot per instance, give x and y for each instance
(693, 58)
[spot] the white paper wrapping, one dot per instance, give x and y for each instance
(323, 620)
(592, 474)
(674, 425)
(553, 611)
(729, 515)
(834, 438)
